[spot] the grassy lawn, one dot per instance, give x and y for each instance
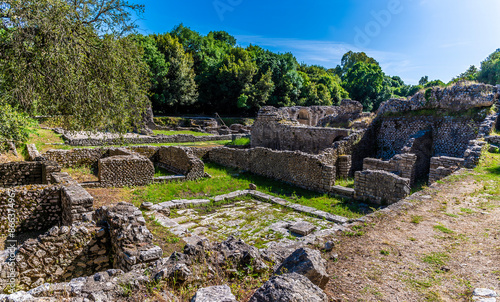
(225, 180)
(169, 132)
(44, 140)
(345, 182)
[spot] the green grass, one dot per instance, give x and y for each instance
(345, 182)
(44, 140)
(443, 229)
(172, 132)
(416, 219)
(162, 172)
(436, 258)
(225, 180)
(243, 141)
(238, 120)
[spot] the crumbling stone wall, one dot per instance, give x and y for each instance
(443, 166)
(298, 168)
(380, 187)
(125, 170)
(63, 253)
(76, 157)
(20, 173)
(181, 160)
(275, 129)
(344, 164)
(402, 164)
(131, 242)
(450, 135)
(34, 208)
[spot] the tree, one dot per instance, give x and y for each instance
(490, 69)
(470, 74)
(350, 58)
(158, 69)
(364, 82)
(71, 58)
(423, 80)
(180, 87)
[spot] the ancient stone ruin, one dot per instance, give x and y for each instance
(85, 253)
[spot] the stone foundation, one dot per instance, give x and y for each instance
(298, 168)
(380, 187)
(26, 173)
(443, 166)
(402, 164)
(125, 170)
(181, 160)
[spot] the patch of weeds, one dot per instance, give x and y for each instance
(443, 229)
(451, 215)
(412, 238)
(436, 258)
(416, 219)
(385, 252)
(467, 211)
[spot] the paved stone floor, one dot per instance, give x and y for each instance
(257, 223)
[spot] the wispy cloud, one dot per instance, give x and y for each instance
(329, 53)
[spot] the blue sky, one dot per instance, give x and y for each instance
(410, 38)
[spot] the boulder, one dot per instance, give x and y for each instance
(289, 288)
(220, 293)
(308, 263)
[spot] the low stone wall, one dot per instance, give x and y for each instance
(473, 153)
(62, 254)
(131, 242)
(380, 187)
(159, 139)
(443, 166)
(298, 168)
(402, 164)
(76, 157)
(20, 173)
(344, 164)
(125, 170)
(181, 160)
(29, 208)
(494, 140)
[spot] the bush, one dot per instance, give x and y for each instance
(14, 125)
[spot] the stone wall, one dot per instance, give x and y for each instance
(125, 170)
(450, 135)
(76, 157)
(181, 160)
(20, 173)
(298, 168)
(35, 208)
(131, 242)
(402, 164)
(344, 164)
(443, 166)
(380, 187)
(108, 139)
(33, 154)
(62, 254)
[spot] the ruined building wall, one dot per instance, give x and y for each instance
(298, 168)
(402, 164)
(62, 254)
(181, 160)
(125, 170)
(443, 166)
(380, 187)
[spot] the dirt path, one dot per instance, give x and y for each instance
(439, 250)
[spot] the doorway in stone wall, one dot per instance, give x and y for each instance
(422, 147)
(304, 117)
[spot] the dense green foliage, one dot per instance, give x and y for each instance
(68, 58)
(490, 69)
(14, 125)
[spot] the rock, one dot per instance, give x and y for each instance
(214, 294)
(302, 228)
(329, 246)
(484, 292)
(181, 272)
(306, 262)
(289, 288)
(252, 187)
(493, 149)
(20, 296)
(146, 205)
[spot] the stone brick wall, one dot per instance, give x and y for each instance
(181, 160)
(131, 242)
(125, 170)
(76, 157)
(402, 164)
(159, 139)
(450, 135)
(61, 254)
(36, 208)
(380, 187)
(344, 164)
(20, 173)
(298, 168)
(443, 166)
